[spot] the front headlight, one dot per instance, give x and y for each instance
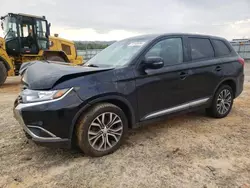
(35, 95)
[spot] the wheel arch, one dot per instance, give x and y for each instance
(49, 53)
(228, 81)
(117, 100)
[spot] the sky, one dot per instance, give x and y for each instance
(118, 19)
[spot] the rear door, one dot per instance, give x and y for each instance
(204, 68)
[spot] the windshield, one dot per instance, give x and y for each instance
(9, 27)
(119, 53)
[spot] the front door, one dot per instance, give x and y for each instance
(28, 36)
(163, 91)
(42, 34)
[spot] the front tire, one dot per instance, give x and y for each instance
(101, 129)
(222, 102)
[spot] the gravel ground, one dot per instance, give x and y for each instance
(186, 151)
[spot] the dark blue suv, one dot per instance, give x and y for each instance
(136, 80)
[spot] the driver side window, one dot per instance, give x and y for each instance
(170, 50)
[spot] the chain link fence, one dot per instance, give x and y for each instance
(88, 54)
(242, 46)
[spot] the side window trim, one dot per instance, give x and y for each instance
(186, 49)
(190, 53)
(212, 47)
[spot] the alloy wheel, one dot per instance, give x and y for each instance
(224, 101)
(105, 131)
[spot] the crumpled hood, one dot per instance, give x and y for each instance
(45, 75)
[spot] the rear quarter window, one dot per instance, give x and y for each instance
(201, 48)
(220, 47)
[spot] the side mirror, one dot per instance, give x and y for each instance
(153, 62)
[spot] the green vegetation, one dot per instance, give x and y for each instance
(91, 45)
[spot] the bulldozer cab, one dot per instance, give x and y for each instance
(27, 38)
(25, 34)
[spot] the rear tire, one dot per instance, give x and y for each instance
(55, 58)
(101, 130)
(222, 102)
(3, 73)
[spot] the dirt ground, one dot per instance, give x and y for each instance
(186, 151)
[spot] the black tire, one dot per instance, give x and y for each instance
(55, 58)
(88, 121)
(3, 73)
(215, 110)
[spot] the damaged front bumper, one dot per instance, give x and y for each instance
(38, 134)
(48, 123)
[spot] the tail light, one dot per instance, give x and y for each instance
(241, 61)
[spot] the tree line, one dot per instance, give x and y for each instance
(90, 45)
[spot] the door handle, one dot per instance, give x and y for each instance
(218, 68)
(183, 75)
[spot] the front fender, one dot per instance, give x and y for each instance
(98, 99)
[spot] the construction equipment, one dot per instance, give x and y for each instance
(27, 38)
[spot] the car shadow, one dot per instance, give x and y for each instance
(147, 131)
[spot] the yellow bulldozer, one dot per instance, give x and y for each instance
(27, 38)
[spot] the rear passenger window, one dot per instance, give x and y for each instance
(201, 48)
(220, 48)
(169, 49)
